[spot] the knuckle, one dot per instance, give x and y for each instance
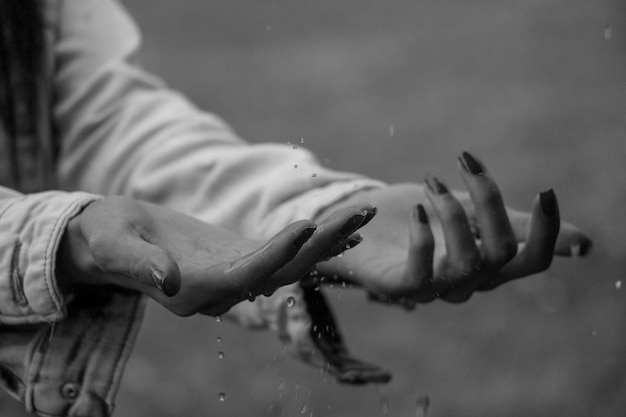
(469, 265)
(464, 269)
(504, 252)
(100, 248)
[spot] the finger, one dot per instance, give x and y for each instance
(335, 231)
(127, 254)
(462, 254)
(571, 240)
(253, 274)
(419, 264)
(498, 239)
(538, 250)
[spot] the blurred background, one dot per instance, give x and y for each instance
(395, 89)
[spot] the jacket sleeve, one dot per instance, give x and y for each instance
(57, 357)
(32, 226)
(124, 132)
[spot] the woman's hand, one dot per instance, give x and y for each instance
(471, 242)
(190, 266)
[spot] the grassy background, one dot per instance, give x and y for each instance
(395, 89)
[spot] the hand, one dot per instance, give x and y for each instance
(473, 242)
(190, 266)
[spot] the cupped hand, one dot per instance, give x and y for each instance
(469, 242)
(190, 266)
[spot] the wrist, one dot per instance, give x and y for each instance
(73, 261)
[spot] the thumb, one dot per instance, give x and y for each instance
(135, 258)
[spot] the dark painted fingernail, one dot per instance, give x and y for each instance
(369, 215)
(303, 237)
(581, 248)
(434, 185)
(353, 241)
(158, 278)
(585, 247)
(548, 202)
(422, 217)
(470, 164)
(162, 283)
(352, 224)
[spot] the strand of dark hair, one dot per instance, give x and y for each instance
(21, 66)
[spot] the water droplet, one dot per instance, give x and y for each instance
(618, 284)
(303, 409)
(219, 339)
(222, 397)
(384, 405)
(421, 406)
(220, 355)
(218, 319)
(608, 32)
(301, 140)
(343, 284)
(314, 175)
(350, 272)
(291, 301)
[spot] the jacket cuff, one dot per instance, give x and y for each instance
(32, 227)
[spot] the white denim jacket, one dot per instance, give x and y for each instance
(121, 131)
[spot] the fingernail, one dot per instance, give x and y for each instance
(160, 281)
(369, 215)
(303, 237)
(353, 241)
(422, 217)
(581, 249)
(470, 164)
(352, 224)
(434, 185)
(548, 202)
